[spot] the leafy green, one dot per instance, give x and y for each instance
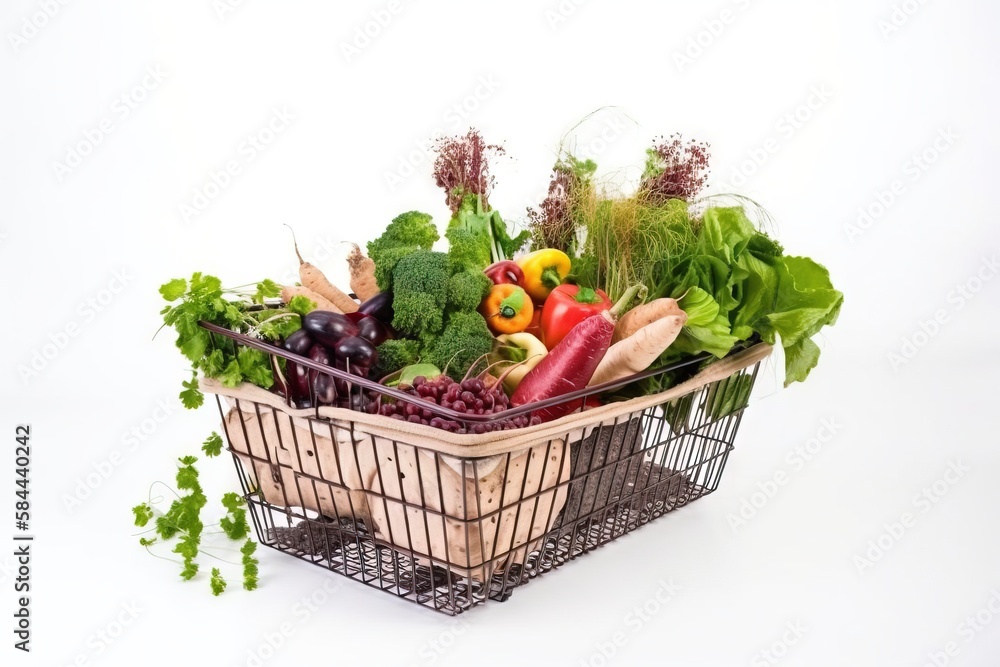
(217, 582)
(736, 282)
(212, 445)
(143, 513)
(266, 288)
(250, 564)
(234, 524)
(202, 298)
(183, 521)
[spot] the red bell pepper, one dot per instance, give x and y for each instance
(506, 272)
(567, 306)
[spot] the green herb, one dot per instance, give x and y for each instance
(183, 524)
(234, 524)
(212, 445)
(202, 298)
(249, 565)
(217, 582)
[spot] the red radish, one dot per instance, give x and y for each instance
(569, 365)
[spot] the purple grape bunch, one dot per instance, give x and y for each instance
(470, 396)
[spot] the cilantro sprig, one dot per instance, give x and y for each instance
(182, 522)
(238, 309)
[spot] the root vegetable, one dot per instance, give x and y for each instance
(321, 302)
(313, 279)
(635, 353)
(362, 268)
(569, 365)
(642, 315)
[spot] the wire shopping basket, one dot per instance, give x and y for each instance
(451, 520)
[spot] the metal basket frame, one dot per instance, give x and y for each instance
(604, 481)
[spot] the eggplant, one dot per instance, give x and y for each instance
(327, 327)
(299, 343)
(322, 383)
(373, 331)
(379, 307)
(356, 351)
(298, 377)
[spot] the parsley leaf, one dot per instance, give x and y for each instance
(232, 375)
(266, 288)
(218, 583)
(143, 513)
(174, 289)
(249, 565)
(301, 304)
(192, 397)
(212, 445)
(234, 524)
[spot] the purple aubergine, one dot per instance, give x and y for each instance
(279, 385)
(298, 383)
(379, 307)
(299, 342)
(373, 331)
(327, 327)
(322, 383)
(355, 351)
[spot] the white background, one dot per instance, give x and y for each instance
(881, 94)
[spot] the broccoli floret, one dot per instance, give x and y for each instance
(420, 292)
(395, 354)
(465, 339)
(467, 289)
(407, 233)
(468, 249)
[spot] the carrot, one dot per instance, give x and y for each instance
(570, 364)
(322, 303)
(635, 353)
(642, 315)
(362, 274)
(313, 279)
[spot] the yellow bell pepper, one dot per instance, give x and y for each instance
(544, 270)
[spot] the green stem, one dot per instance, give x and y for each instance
(550, 277)
(626, 299)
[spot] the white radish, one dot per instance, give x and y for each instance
(635, 353)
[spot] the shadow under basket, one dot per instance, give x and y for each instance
(450, 521)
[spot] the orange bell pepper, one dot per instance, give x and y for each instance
(507, 309)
